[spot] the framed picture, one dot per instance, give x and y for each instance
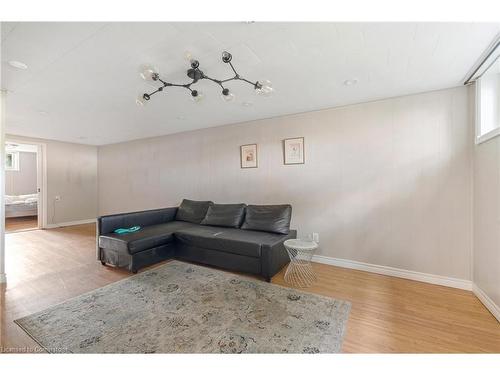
(248, 156)
(293, 150)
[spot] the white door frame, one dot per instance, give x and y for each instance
(3, 276)
(41, 179)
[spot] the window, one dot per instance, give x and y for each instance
(11, 161)
(488, 103)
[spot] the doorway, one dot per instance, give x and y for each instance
(23, 208)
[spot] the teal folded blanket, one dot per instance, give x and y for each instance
(127, 230)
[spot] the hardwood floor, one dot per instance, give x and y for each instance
(45, 267)
(14, 224)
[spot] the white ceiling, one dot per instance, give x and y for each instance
(82, 78)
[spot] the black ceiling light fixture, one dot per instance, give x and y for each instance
(149, 73)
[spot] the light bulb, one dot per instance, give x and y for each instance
(149, 73)
(264, 88)
(227, 96)
(197, 96)
(140, 101)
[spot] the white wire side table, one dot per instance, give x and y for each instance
(300, 272)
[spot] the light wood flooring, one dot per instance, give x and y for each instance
(45, 267)
(14, 224)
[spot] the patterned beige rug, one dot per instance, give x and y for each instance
(183, 308)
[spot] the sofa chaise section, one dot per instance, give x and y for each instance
(150, 245)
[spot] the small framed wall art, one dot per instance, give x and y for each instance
(293, 151)
(248, 156)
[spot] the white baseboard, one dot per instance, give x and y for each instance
(396, 272)
(487, 302)
(70, 223)
(3, 278)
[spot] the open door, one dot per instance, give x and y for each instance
(22, 187)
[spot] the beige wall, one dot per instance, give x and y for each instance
(23, 181)
(71, 174)
(387, 183)
(487, 218)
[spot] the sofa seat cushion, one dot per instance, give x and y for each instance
(229, 240)
(146, 238)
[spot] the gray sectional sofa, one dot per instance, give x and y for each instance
(236, 237)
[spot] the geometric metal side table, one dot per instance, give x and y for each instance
(299, 272)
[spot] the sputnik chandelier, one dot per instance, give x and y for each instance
(149, 73)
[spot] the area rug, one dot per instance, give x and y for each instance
(184, 308)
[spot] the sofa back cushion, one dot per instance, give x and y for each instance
(225, 215)
(192, 211)
(108, 223)
(270, 218)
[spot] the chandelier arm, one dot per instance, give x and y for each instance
(234, 70)
(165, 84)
(154, 92)
(185, 85)
(180, 85)
(215, 80)
(229, 79)
(247, 81)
